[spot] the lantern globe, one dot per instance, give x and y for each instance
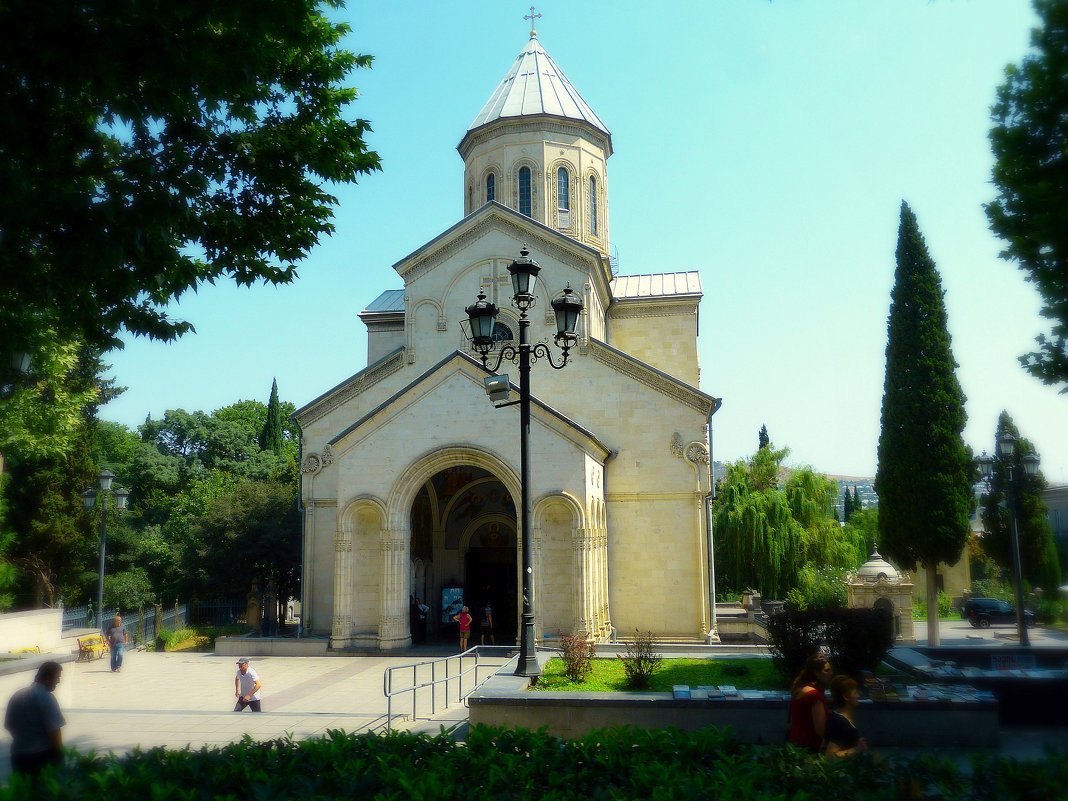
(567, 308)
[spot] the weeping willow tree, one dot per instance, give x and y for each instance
(766, 535)
(759, 541)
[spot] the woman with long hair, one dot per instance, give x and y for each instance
(808, 706)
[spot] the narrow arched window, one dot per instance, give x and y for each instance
(562, 201)
(524, 191)
(593, 205)
(491, 187)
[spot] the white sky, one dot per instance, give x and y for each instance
(766, 144)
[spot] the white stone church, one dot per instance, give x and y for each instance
(410, 476)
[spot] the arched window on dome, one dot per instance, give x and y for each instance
(491, 188)
(563, 202)
(524, 191)
(593, 205)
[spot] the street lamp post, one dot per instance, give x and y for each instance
(104, 479)
(1006, 452)
(482, 317)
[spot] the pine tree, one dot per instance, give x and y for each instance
(1038, 552)
(271, 435)
(763, 440)
(925, 472)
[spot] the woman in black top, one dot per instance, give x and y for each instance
(843, 739)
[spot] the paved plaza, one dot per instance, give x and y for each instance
(187, 699)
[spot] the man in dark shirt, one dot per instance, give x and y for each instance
(35, 723)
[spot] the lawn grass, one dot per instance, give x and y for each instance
(608, 675)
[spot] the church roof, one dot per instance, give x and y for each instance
(535, 85)
(656, 285)
(392, 300)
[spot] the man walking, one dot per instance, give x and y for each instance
(35, 723)
(247, 686)
(118, 638)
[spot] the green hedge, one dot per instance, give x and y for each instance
(519, 764)
(856, 639)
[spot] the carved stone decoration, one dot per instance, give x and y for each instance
(311, 464)
(676, 445)
(443, 322)
(697, 453)
(327, 455)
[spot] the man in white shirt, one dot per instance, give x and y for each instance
(247, 686)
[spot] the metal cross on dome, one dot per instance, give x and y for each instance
(532, 16)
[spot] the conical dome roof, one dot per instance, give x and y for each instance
(535, 85)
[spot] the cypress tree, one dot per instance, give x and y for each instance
(271, 435)
(763, 440)
(925, 472)
(857, 505)
(847, 506)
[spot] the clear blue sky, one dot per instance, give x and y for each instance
(766, 144)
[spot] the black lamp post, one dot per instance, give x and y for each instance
(482, 317)
(1006, 457)
(105, 479)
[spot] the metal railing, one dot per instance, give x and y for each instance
(441, 679)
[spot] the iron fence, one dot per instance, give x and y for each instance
(140, 623)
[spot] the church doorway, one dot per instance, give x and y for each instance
(464, 550)
(490, 577)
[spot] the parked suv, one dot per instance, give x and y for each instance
(984, 612)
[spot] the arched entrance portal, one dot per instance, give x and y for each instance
(464, 544)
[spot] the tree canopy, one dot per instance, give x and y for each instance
(925, 471)
(1030, 144)
(148, 147)
(781, 539)
(1038, 551)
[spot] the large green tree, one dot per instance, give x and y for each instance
(766, 536)
(1038, 551)
(1030, 144)
(925, 472)
(148, 146)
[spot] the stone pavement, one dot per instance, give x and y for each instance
(187, 699)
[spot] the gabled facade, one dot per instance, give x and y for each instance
(410, 477)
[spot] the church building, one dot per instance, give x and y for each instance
(410, 476)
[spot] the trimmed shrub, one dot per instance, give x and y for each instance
(641, 661)
(855, 639)
(620, 763)
(578, 652)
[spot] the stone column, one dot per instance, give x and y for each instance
(341, 631)
(582, 578)
(393, 612)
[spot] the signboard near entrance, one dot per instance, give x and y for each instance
(452, 601)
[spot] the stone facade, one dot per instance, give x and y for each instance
(410, 477)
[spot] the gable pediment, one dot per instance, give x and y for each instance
(494, 217)
(461, 370)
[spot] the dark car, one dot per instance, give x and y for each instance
(985, 612)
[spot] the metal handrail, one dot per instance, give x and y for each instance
(455, 671)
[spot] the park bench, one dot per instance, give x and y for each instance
(91, 646)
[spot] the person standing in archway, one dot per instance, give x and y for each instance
(485, 623)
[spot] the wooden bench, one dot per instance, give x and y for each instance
(91, 646)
